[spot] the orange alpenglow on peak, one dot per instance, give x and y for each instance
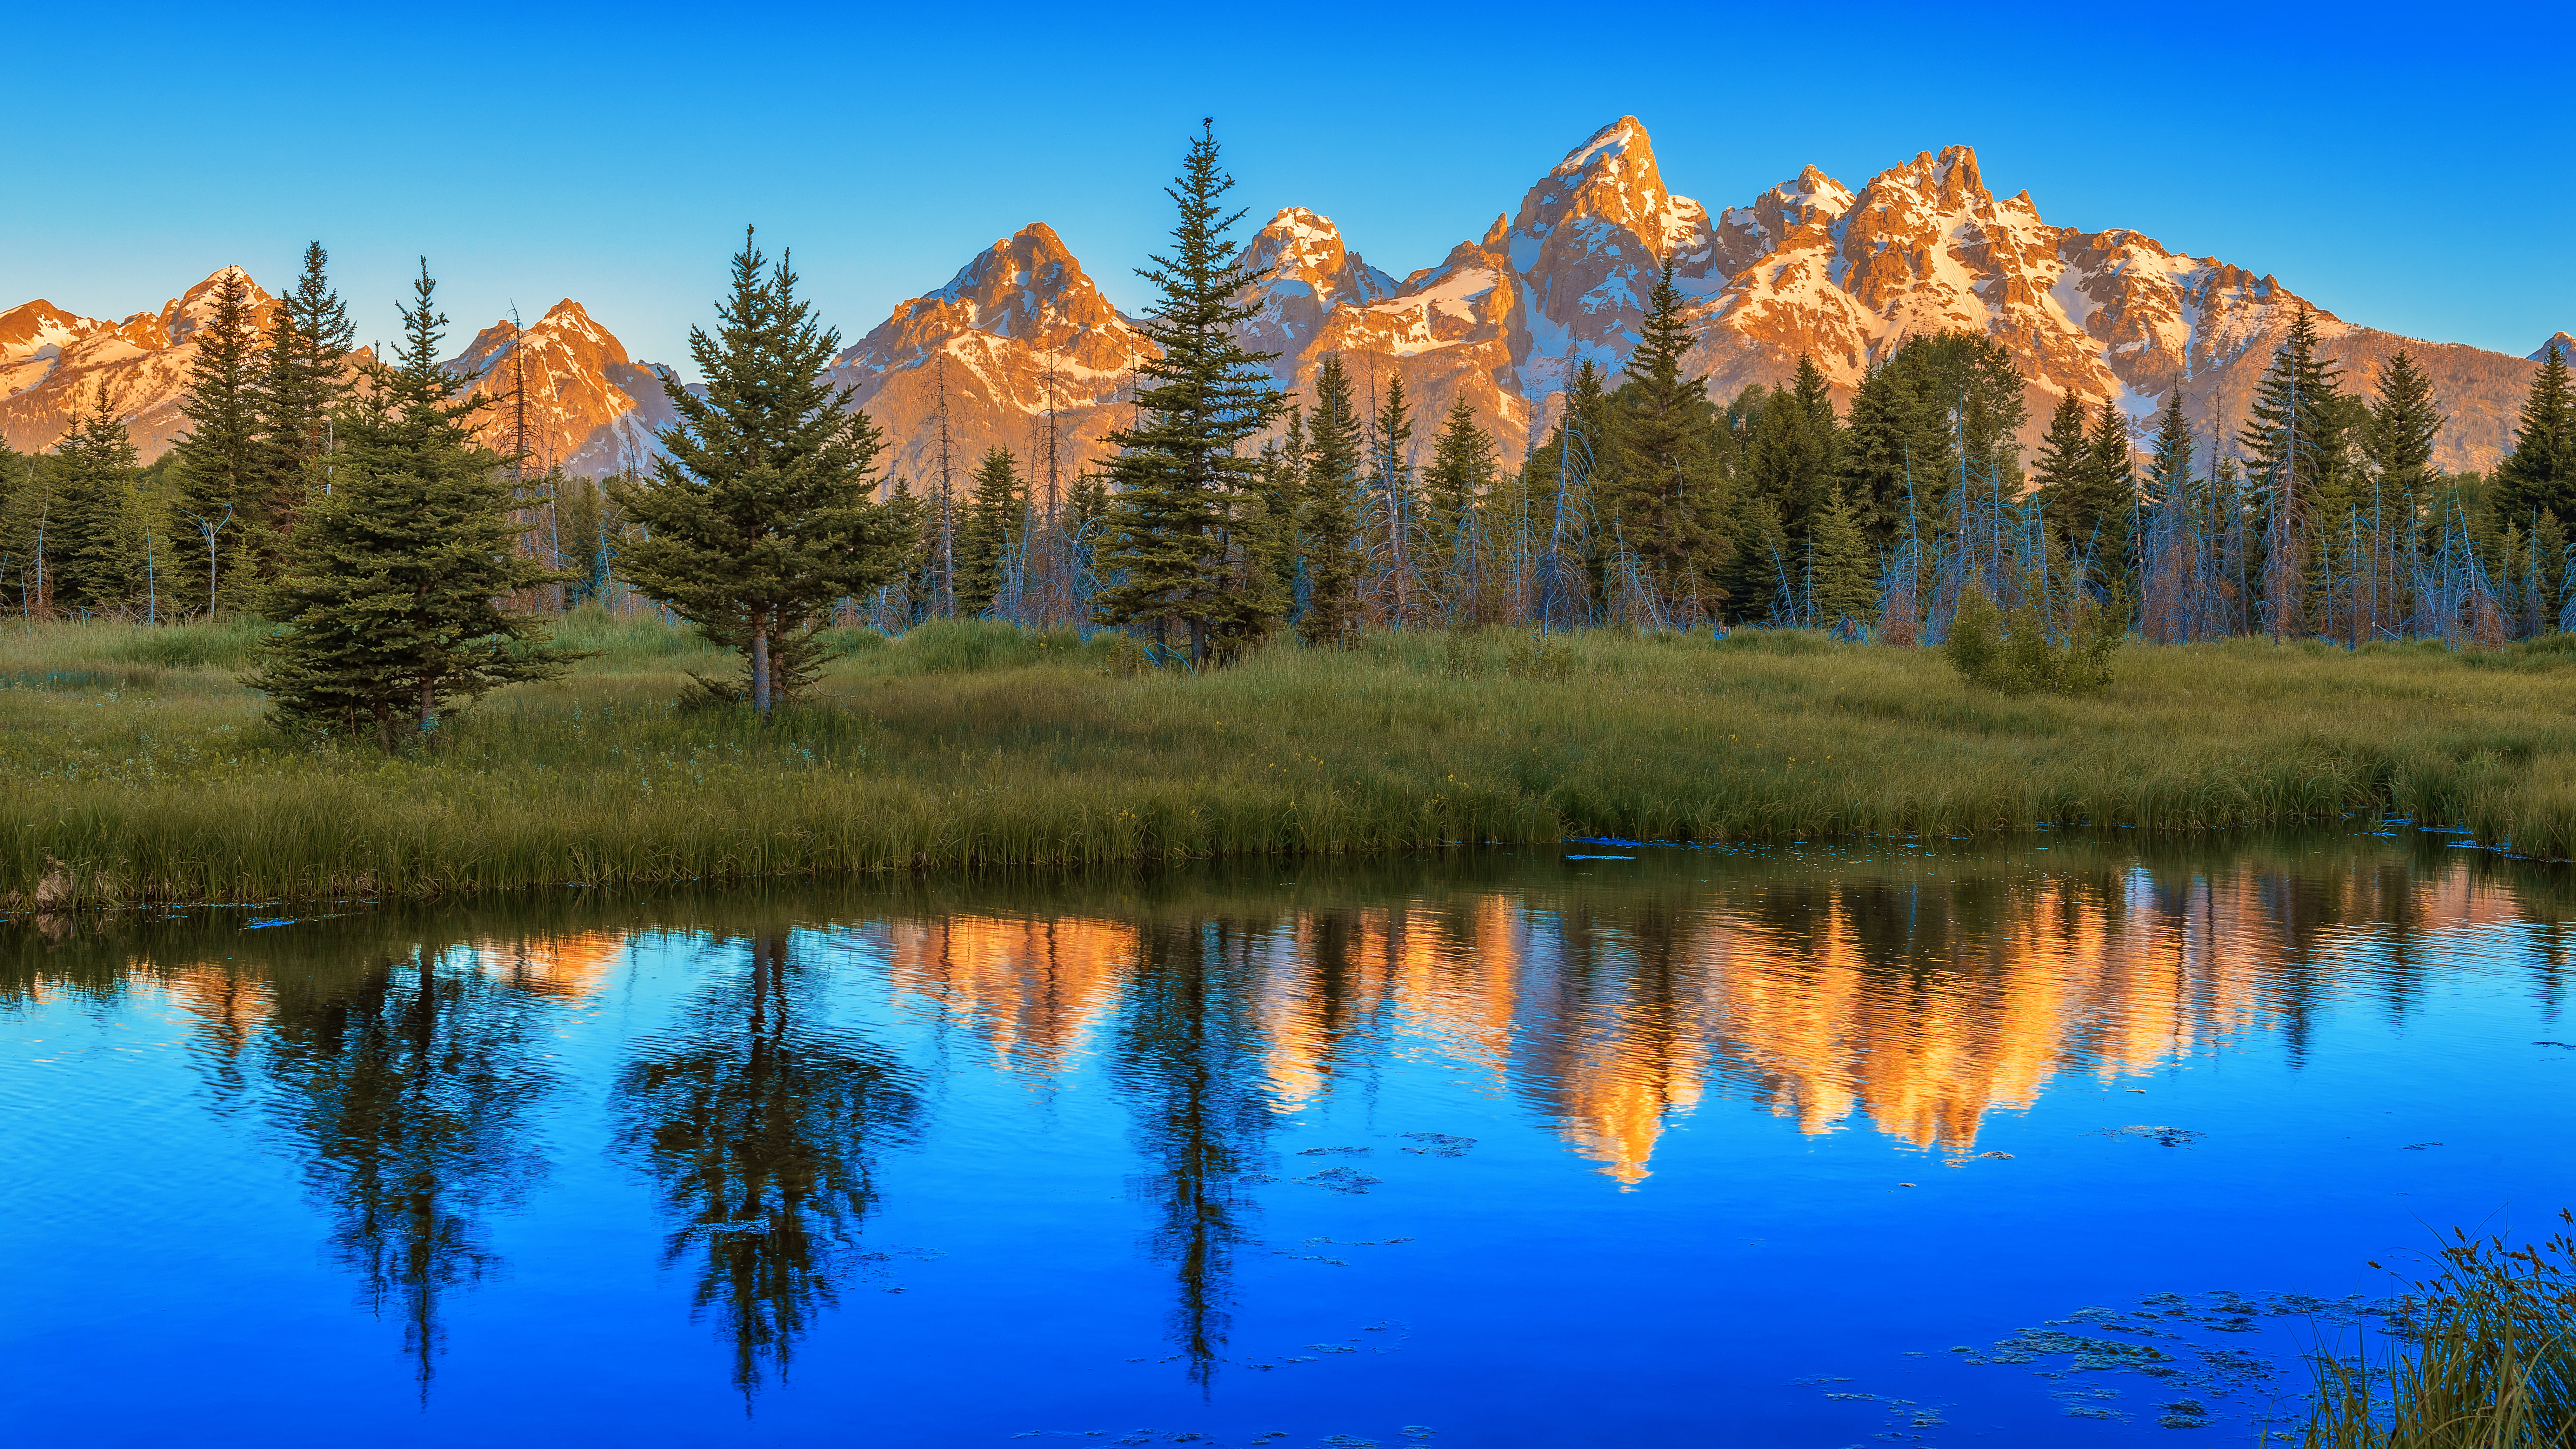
(1019, 349)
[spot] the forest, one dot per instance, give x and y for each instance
(1259, 623)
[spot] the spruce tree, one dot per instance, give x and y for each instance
(761, 513)
(2169, 470)
(1793, 458)
(27, 505)
(1393, 512)
(2103, 510)
(1462, 469)
(96, 534)
(1661, 491)
(2065, 461)
(1846, 582)
(996, 511)
(2292, 445)
(303, 379)
(1330, 523)
(2539, 475)
(2405, 419)
(216, 463)
(1181, 490)
(388, 599)
(1896, 448)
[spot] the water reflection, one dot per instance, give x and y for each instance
(397, 1056)
(408, 1087)
(757, 1120)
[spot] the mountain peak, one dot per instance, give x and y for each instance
(2566, 348)
(1624, 137)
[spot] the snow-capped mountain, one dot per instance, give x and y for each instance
(589, 408)
(1019, 330)
(52, 362)
(1809, 266)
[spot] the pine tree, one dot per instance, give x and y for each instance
(1330, 519)
(216, 463)
(1276, 546)
(2169, 469)
(2398, 442)
(996, 512)
(97, 530)
(1896, 449)
(1390, 492)
(1794, 457)
(1846, 582)
(761, 514)
(2065, 461)
(388, 598)
(2101, 514)
(2540, 473)
(1461, 471)
(2292, 444)
(1181, 489)
(27, 503)
(303, 378)
(1661, 491)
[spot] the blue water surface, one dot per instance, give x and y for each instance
(1919, 1143)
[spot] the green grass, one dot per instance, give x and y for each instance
(133, 768)
(2489, 1363)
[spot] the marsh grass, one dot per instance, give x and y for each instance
(969, 744)
(2489, 1361)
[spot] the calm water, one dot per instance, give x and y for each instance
(2059, 1143)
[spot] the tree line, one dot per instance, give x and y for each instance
(348, 499)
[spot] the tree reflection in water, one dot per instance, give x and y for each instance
(756, 1120)
(1188, 1060)
(410, 1090)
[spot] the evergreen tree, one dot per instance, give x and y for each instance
(303, 381)
(1461, 471)
(1845, 578)
(1661, 490)
(2293, 446)
(388, 598)
(2540, 474)
(2169, 470)
(995, 514)
(1896, 449)
(1330, 521)
(217, 461)
(27, 570)
(2065, 462)
(2398, 440)
(1394, 512)
(1794, 456)
(761, 514)
(1272, 547)
(97, 531)
(2102, 514)
(1181, 489)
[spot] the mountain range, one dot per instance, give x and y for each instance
(1021, 350)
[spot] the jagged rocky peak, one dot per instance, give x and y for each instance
(31, 327)
(2566, 348)
(567, 327)
(1611, 180)
(1025, 285)
(1301, 247)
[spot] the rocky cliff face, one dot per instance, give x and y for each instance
(1020, 333)
(52, 363)
(588, 407)
(1020, 350)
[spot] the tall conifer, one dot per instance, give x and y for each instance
(303, 378)
(1846, 580)
(1462, 469)
(760, 516)
(1181, 489)
(2540, 474)
(2405, 419)
(97, 530)
(1662, 489)
(1330, 523)
(996, 510)
(389, 596)
(216, 463)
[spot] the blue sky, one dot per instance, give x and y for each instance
(2404, 172)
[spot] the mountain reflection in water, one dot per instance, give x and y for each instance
(404, 1059)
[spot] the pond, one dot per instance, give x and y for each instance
(2063, 1140)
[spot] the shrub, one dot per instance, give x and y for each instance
(2014, 654)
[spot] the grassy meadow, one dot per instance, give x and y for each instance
(134, 768)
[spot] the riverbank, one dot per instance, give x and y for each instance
(133, 768)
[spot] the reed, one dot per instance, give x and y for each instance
(2488, 1362)
(134, 769)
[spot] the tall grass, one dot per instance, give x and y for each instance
(979, 744)
(2491, 1365)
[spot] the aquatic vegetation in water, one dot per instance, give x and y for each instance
(2169, 1136)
